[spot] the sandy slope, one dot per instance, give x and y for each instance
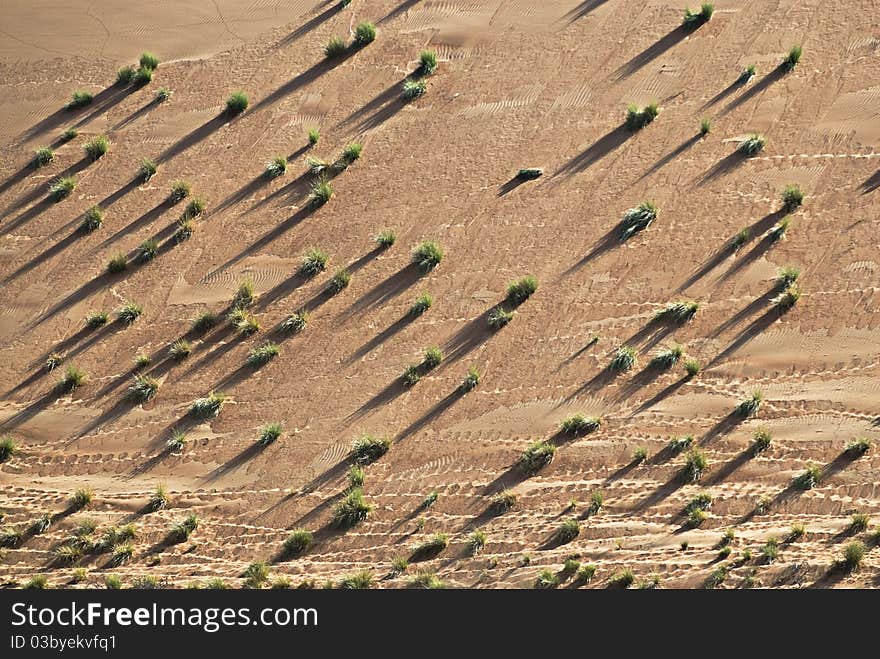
(519, 84)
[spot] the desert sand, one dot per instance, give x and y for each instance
(519, 84)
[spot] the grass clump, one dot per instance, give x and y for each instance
(637, 219)
(147, 170)
(853, 554)
(792, 197)
(79, 98)
(339, 281)
(695, 464)
(694, 19)
(352, 509)
(62, 188)
(421, 305)
(204, 321)
(269, 434)
(180, 350)
(622, 579)
(578, 424)
(791, 60)
(335, 48)
(520, 290)
(858, 447)
(369, 448)
(433, 358)
(705, 126)
(97, 319)
(761, 441)
(148, 61)
(148, 250)
(236, 103)
(298, 542)
(53, 361)
(678, 444)
(427, 255)
(142, 389)
(427, 63)
(499, 317)
(747, 74)
(243, 322)
(624, 359)
(471, 380)
(72, 379)
(787, 298)
(256, 575)
(502, 501)
(639, 117)
(567, 531)
(177, 441)
(43, 156)
(678, 312)
(430, 547)
(752, 144)
(320, 193)
(245, 295)
(159, 499)
(96, 147)
(276, 167)
(181, 531)
(858, 523)
(314, 262)
(314, 135)
(356, 477)
(412, 89)
(81, 498)
(536, 457)
(180, 190)
(386, 238)
(263, 354)
(476, 542)
(364, 33)
(692, 367)
(129, 312)
(640, 455)
(163, 94)
(529, 173)
(350, 153)
(546, 580)
(209, 406)
(809, 478)
(8, 448)
(69, 133)
(125, 75)
(667, 357)
(358, 581)
(749, 406)
(426, 581)
(786, 277)
(295, 322)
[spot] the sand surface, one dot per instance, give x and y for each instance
(519, 84)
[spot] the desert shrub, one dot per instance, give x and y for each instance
(73, 378)
(269, 434)
(314, 135)
(622, 579)
(148, 250)
(520, 290)
(369, 448)
(298, 542)
(639, 117)
(637, 219)
(537, 456)
(181, 531)
(597, 500)
(163, 94)
(427, 581)
(204, 321)
(143, 388)
(147, 170)
(694, 465)
(125, 75)
(652, 582)
(193, 209)
(421, 305)
(770, 550)
(678, 444)
(427, 63)
(81, 498)
(761, 441)
(578, 424)
(430, 547)
(142, 77)
(499, 317)
(719, 574)
(243, 322)
(122, 553)
(356, 477)
(779, 229)
(796, 533)
(263, 354)
(276, 167)
(8, 448)
(694, 19)
(747, 74)
(314, 262)
(339, 281)
(585, 574)
(640, 455)
(853, 554)
(236, 103)
(53, 361)
(79, 98)
(159, 499)
(68, 554)
(399, 565)
(787, 298)
(320, 193)
(427, 255)
(37, 582)
(177, 441)
(678, 312)
(43, 156)
(667, 357)
(752, 144)
(96, 147)
(546, 580)
(148, 61)
(69, 133)
(208, 406)
(858, 447)
(786, 277)
(352, 509)
(316, 165)
(386, 238)
(567, 531)
(245, 295)
(792, 197)
(62, 188)
(180, 190)
(791, 60)
(141, 360)
(364, 33)
(129, 312)
(184, 231)
(335, 48)
(624, 359)
(429, 500)
(97, 319)
(809, 478)
(705, 126)
(749, 406)
(412, 89)
(350, 153)
(741, 238)
(476, 542)
(471, 380)
(358, 581)
(858, 523)
(433, 358)
(180, 349)
(502, 501)
(256, 575)
(703, 501)
(529, 173)
(112, 582)
(295, 322)
(692, 367)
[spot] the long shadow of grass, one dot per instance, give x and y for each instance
(389, 93)
(236, 462)
(103, 280)
(653, 51)
(193, 137)
(640, 380)
(727, 164)
(751, 308)
(583, 9)
(398, 10)
(724, 93)
(596, 151)
(147, 218)
(18, 176)
(470, 337)
(749, 258)
(871, 183)
(661, 395)
(672, 155)
(431, 415)
(380, 338)
(103, 101)
(385, 291)
(310, 25)
(293, 191)
(753, 330)
(729, 468)
(137, 114)
(676, 482)
(725, 425)
(776, 74)
(44, 256)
